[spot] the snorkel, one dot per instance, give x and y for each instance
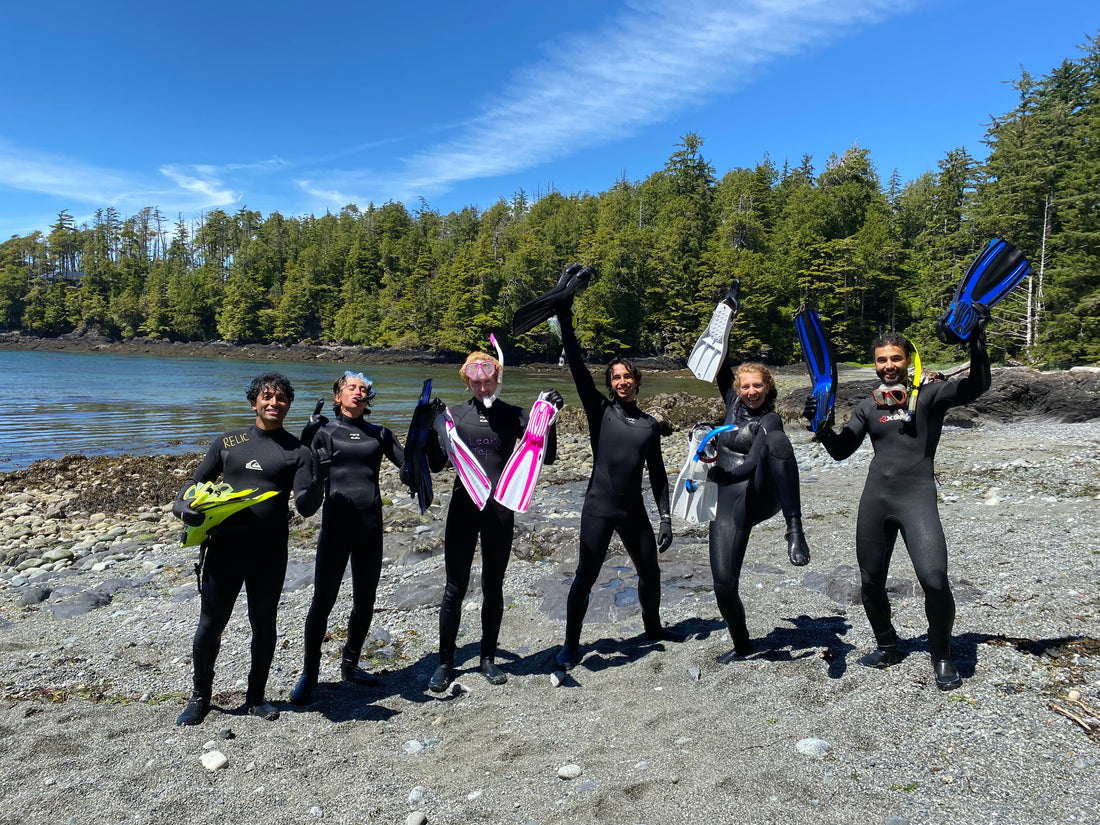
(488, 402)
(915, 384)
(904, 392)
(480, 367)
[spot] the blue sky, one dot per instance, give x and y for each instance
(302, 108)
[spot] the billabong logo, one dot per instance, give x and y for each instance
(354, 436)
(253, 465)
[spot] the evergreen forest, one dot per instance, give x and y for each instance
(871, 255)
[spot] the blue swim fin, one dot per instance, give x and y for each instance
(415, 470)
(817, 349)
(987, 281)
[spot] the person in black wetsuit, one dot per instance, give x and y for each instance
(249, 548)
(349, 453)
(757, 475)
(490, 428)
(900, 493)
(623, 440)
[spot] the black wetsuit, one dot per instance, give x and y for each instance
(250, 547)
(758, 490)
(491, 433)
(900, 496)
(349, 453)
(623, 440)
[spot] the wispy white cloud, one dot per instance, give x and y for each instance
(201, 181)
(52, 175)
(651, 60)
(656, 58)
(182, 187)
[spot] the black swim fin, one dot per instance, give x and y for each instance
(817, 349)
(415, 471)
(573, 279)
(987, 281)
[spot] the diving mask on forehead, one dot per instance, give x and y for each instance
(369, 394)
(479, 370)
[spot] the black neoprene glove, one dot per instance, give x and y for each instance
(554, 397)
(664, 534)
(810, 408)
(186, 513)
(977, 337)
(316, 422)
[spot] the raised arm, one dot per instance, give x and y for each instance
(980, 377)
(591, 398)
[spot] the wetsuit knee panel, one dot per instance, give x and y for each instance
(779, 445)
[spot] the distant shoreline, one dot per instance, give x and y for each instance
(92, 342)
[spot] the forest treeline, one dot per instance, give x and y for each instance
(870, 255)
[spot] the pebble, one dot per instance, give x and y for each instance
(416, 818)
(694, 673)
(557, 678)
(413, 746)
(316, 811)
(214, 761)
(569, 771)
(418, 795)
(812, 746)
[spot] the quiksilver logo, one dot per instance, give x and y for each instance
(253, 465)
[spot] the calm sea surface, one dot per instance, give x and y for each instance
(54, 403)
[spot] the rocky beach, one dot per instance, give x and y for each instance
(98, 606)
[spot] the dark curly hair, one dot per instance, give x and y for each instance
(269, 381)
(626, 362)
(893, 339)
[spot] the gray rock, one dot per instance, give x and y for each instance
(570, 771)
(79, 604)
(33, 595)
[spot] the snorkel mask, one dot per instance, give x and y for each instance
(485, 370)
(898, 395)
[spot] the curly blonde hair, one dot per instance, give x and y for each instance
(765, 375)
(478, 355)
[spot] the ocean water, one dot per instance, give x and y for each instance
(55, 403)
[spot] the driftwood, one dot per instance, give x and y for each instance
(1089, 726)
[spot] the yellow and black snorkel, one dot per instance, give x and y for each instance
(912, 405)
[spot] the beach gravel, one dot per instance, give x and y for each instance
(98, 607)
